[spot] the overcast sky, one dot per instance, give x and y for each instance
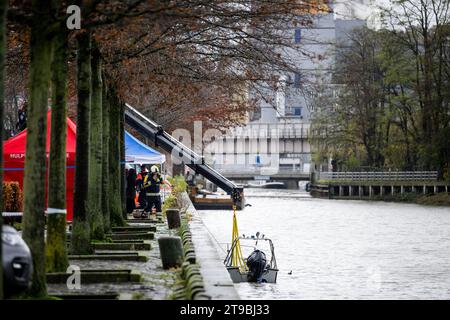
(361, 9)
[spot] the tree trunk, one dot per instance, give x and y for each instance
(122, 161)
(3, 9)
(95, 156)
(35, 159)
(56, 253)
(114, 160)
(105, 162)
(81, 239)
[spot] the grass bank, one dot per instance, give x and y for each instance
(440, 199)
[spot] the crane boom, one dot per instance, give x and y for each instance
(162, 139)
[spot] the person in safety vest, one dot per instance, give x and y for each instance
(151, 184)
(140, 186)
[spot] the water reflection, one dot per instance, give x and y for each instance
(345, 249)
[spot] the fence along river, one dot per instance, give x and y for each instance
(381, 185)
(335, 249)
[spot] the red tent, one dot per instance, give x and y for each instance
(14, 159)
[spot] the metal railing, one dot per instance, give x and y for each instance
(379, 176)
(271, 130)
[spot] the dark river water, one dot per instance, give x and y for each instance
(341, 249)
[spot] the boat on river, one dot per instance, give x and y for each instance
(268, 185)
(207, 200)
(257, 268)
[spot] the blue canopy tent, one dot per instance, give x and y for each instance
(137, 152)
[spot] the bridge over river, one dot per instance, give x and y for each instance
(289, 176)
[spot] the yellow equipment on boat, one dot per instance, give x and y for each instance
(237, 259)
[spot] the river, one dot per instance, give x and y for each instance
(343, 249)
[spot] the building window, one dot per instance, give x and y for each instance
(298, 35)
(294, 112)
(255, 114)
(297, 80)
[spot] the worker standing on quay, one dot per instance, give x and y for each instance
(152, 183)
(131, 190)
(140, 186)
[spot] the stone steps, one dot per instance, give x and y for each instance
(88, 296)
(134, 241)
(129, 256)
(141, 220)
(139, 245)
(145, 221)
(89, 276)
(132, 236)
(128, 229)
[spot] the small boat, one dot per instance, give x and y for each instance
(207, 200)
(308, 187)
(268, 185)
(274, 185)
(258, 270)
(213, 202)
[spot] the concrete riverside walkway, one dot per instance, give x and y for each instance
(217, 281)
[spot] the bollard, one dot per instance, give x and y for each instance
(173, 218)
(171, 251)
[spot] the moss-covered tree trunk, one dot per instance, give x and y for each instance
(105, 162)
(81, 237)
(56, 253)
(116, 210)
(35, 159)
(95, 155)
(3, 9)
(122, 160)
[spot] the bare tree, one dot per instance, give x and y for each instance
(423, 28)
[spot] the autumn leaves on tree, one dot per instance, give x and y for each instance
(203, 57)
